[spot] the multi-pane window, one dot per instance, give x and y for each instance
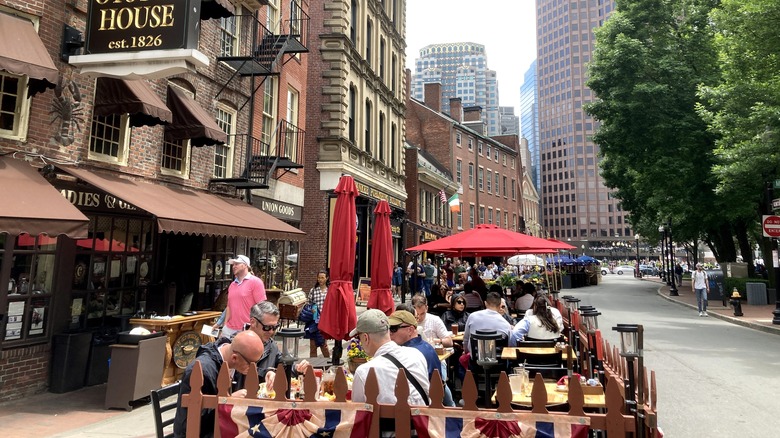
(109, 138)
(291, 135)
(369, 41)
(14, 106)
(498, 217)
(460, 217)
(488, 151)
(393, 164)
(458, 171)
(481, 214)
(489, 181)
(457, 139)
(382, 59)
(504, 188)
(269, 114)
(272, 16)
(481, 178)
(506, 219)
(471, 216)
(223, 153)
(228, 36)
(471, 144)
(353, 22)
(514, 189)
(352, 113)
(176, 157)
(367, 141)
(479, 147)
(498, 192)
(496, 152)
(490, 215)
(381, 138)
(471, 175)
(423, 210)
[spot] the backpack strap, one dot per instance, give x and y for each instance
(409, 377)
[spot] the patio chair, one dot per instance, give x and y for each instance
(164, 400)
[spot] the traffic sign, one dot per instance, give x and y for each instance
(776, 204)
(771, 226)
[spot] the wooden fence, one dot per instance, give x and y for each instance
(434, 418)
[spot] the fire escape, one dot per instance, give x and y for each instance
(263, 54)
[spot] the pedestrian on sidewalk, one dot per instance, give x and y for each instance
(701, 288)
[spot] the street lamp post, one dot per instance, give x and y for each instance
(631, 347)
(662, 230)
(673, 287)
(638, 271)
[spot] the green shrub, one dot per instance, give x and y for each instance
(730, 283)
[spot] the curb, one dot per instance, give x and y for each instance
(731, 319)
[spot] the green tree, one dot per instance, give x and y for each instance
(743, 109)
(651, 57)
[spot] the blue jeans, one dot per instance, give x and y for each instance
(428, 285)
(701, 299)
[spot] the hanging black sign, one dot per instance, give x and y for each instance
(116, 26)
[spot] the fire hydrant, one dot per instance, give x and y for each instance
(736, 302)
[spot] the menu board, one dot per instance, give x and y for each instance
(13, 330)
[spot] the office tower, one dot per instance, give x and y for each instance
(575, 203)
(529, 121)
(510, 123)
(462, 70)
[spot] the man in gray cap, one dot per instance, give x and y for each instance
(386, 358)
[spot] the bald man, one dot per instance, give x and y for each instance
(240, 354)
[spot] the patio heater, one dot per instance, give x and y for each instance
(486, 356)
(572, 306)
(631, 347)
(590, 322)
(290, 338)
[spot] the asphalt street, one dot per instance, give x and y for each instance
(714, 378)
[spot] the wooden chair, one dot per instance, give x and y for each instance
(161, 403)
(535, 343)
(548, 373)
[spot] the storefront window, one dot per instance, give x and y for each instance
(29, 286)
(215, 273)
(275, 262)
(112, 270)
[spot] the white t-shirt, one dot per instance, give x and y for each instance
(699, 279)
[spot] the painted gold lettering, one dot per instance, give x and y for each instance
(167, 16)
(107, 15)
(137, 23)
(124, 18)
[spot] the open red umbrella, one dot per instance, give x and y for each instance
(487, 239)
(338, 315)
(381, 261)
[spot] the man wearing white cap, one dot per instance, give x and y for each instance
(387, 357)
(245, 291)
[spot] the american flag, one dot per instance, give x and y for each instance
(443, 196)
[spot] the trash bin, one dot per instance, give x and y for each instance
(137, 363)
(70, 352)
(716, 293)
(97, 365)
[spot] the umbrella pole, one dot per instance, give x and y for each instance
(337, 351)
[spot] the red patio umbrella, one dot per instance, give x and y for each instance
(381, 261)
(338, 316)
(487, 239)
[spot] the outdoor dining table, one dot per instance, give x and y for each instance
(510, 353)
(447, 353)
(458, 337)
(556, 397)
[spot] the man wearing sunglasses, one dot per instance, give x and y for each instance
(264, 321)
(403, 331)
(238, 354)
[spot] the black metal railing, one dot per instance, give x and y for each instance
(290, 142)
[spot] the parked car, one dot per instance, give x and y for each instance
(648, 270)
(625, 269)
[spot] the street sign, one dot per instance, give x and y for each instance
(776, 203)
(776, 184)
(771, 226)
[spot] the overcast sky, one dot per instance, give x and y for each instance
(505, 27)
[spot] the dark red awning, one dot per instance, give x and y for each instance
(191, 121)
(120, 96)
(22, 53)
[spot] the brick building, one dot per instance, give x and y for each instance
(126, 183)
(486, 169)
(357, 122)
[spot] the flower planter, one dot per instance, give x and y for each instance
(354, 362)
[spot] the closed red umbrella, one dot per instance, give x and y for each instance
(381, 261)
(338, 315)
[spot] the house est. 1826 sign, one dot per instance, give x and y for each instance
(116, 26)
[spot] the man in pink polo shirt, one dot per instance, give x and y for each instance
(245, 291)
